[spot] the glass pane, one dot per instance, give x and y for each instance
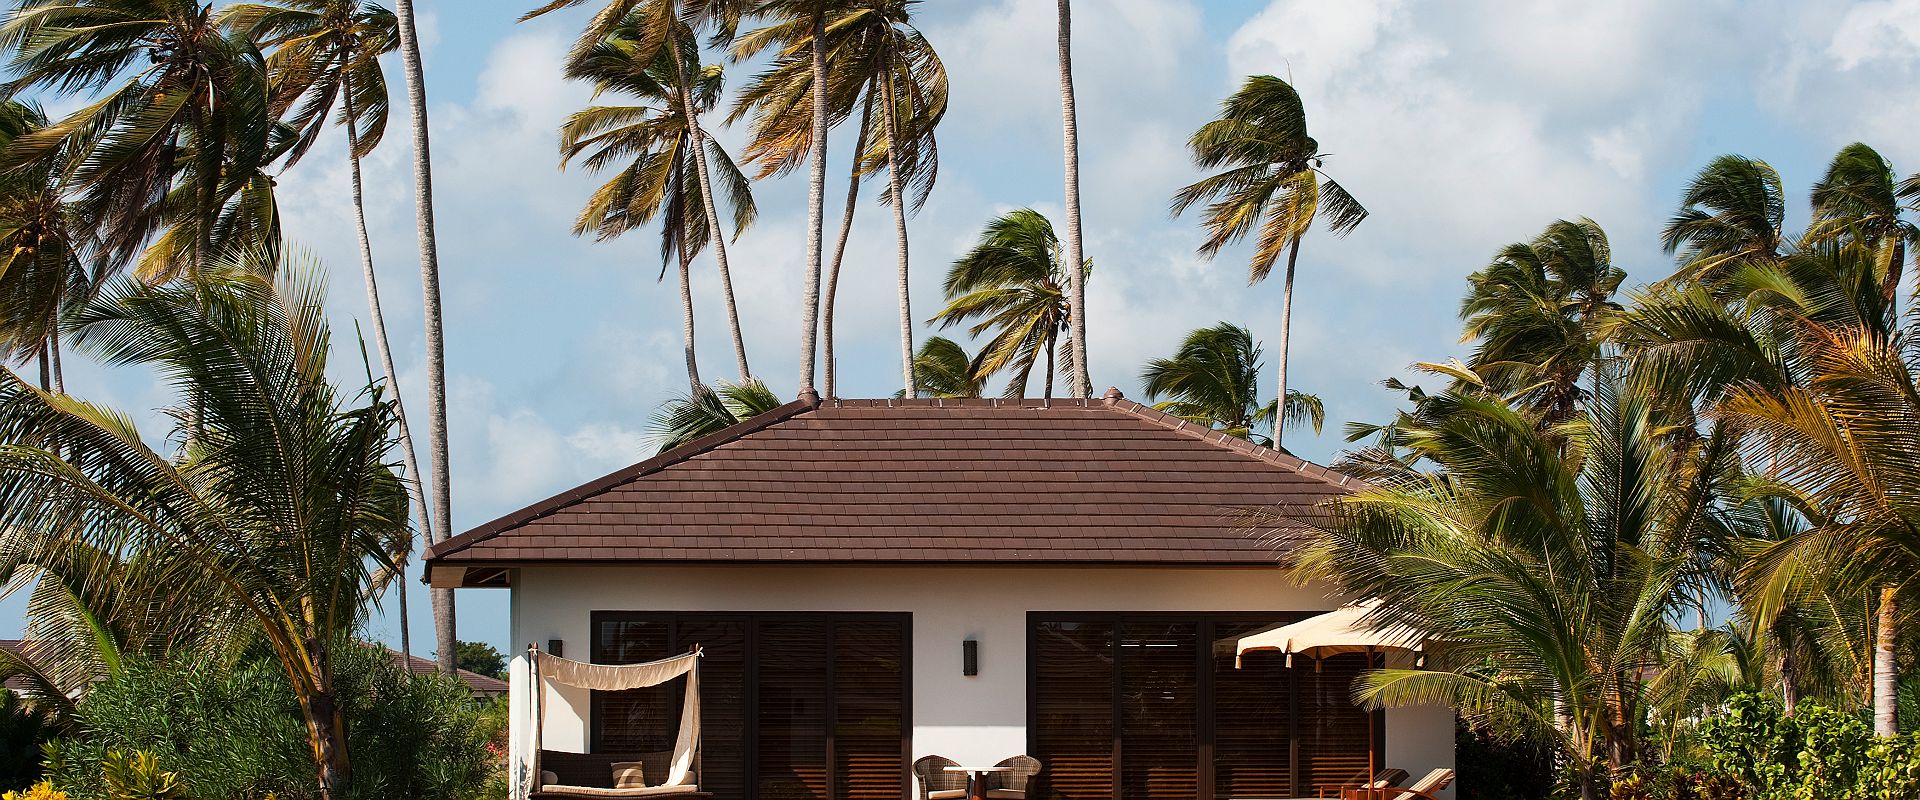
(792, 711)
(723, 700)
(637, 720)
(1073, 735)
(1250, 752)
(869, 715)
(1159, 688)
(1334, 733)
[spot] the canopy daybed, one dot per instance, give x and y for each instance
(553, 775)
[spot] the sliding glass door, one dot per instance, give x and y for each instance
(1151, 706)
(793, 706)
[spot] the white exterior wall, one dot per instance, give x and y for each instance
(979, 719)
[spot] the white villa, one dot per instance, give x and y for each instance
(872, 581)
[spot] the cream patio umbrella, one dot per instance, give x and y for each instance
(1342, 630)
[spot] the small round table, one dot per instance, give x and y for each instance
(977, 780)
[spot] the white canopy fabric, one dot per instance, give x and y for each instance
(615, 677)
(1342, 630)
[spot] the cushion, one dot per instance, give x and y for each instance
(1006, 794)
(548, 776)
(629, 775)
(596, 791)
(947, 794)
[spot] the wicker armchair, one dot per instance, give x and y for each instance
(1012, 784)
(936, 782)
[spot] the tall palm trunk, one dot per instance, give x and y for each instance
(53, 351)
(1886, 669)
(816, 202)
(694, 386)
(840, 247)
(1896, 262)
(1286, 328)
(1076, 278)
(46, 367)
(717, 238)
(1046, 394)
(899, 203)
(442, 516)
(416, 491)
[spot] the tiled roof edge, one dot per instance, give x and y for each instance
(1236, 444)
(579, 493)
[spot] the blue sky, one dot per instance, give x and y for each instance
(1463, 126)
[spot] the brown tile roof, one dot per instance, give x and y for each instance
(480, 685)
(1104, 481)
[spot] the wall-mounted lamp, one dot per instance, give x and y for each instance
(969, 657)
(553, 648)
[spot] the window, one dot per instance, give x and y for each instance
(792, 706)
(1150, 706)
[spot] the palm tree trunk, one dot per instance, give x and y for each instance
(416, 492)
(46, 367)
(326, 734)
(1046, 395)
(686, 319)
(899, 203)
(816, 202)
(1286, 327)
(1890, 285)
(1886, 671)
(840, 247)
(1076, 276)
(442, 516)
(53, 351)
(716, 236)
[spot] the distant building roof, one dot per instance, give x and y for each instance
(480, 685)
(1084, 482)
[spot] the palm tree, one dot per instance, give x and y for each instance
(655, 141)
(944, 369)
(1847, 443)
(444, 623)
(685, 419)
(1070, 146)
(1272, 182)
(327, 52)
(182, 141)
(1730, 216)
(875, 58)
(866, 44)
(1551, 577)
(1540, 313)
(1214, 380)
(654, 25)
(282, 507)
(1013, 282)
(1859, 199)
(44, 241)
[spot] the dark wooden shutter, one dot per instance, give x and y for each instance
(869, 710)
(1159, 711)
(1333, 731)
(1073, 709)
(637, 720)
(723, 701)
(793, 678)
(1250, 753)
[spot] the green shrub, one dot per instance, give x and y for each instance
(1817, 754)
(138, 776)
(236, 733)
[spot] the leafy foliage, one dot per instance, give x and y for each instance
(481, 658)
(1214, 379)
(1012, 283)
(23, 728)
(234, 731)
(707, 411)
